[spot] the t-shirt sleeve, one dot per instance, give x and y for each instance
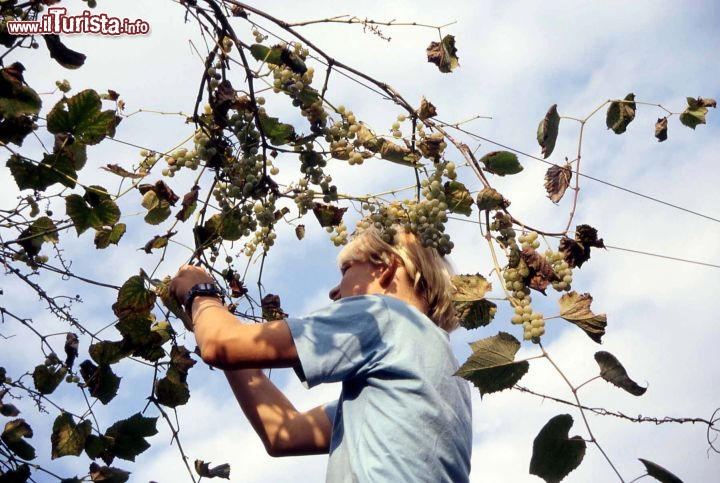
(341, 341)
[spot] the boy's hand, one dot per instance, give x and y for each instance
(183, 281)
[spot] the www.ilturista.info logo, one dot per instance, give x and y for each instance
(56, 21)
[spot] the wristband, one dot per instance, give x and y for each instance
(201, 290)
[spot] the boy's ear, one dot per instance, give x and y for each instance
(388, 272)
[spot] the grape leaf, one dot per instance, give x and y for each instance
(8, 410)
(221, 471)
(620, 114)
(541, 272)
(91, 211)
(547, 131)
(443, 54)
(491, 366)
(68, 438)
(107, 474)
(432, 146)
(133, 298)
(21, 474)
(661, 127)
(158, 242)
(54, 168)
(129, 436)
(139, 338)
(101, 380)
(300, 232)
(659, 473)
(695, 113)
(16, 98)
(189, 203)
(501, 163)
(557, 180)
(105, 236)
(16, 129)
(47, 379)
(472, 309)
(170, 391)
(81, 117)
(575, 308)
(63, 55)
(576, 252)
(42, 230)
(555, 454)
(107, 352)
(328, 215)
(278, 133)
(72, 343)
(489, 199)
(278, 55)
(14, 435)
(426, 110)
(612, 371)
(458, 198)
(122, 172)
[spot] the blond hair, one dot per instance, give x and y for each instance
(428, 270)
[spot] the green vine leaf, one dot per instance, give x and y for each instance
(81, 116)
(620, 114)
(227, 225)
(19, 475)
(575, 308)
(612, 371)
(557, 180)
(139, 338)
(123, 173)
(547, 131)
(14, 435)
(328, 215)
(158, 242)
(16, 129)
(492, 367)
(128, 436)
(278, 55)
(39, 176)
(501, 163)
(94, 210)
(661, 127)
(278, 133)
(106, 236)
(107, 352)
(659, 473)
(695, 113)
(172, 390)
(443, 54)
(471, 307)
(459, 199)
(41, 231)
(8, 410)
(47, 379)
(107, 474)
(16, 98)
(555, 454)
(63, 55)
(220, 471)
(134, 298)
(68, 438)
(489, 199)
(101, 380)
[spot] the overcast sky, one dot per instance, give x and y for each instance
(516, 59)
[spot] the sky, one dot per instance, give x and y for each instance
(516, 59)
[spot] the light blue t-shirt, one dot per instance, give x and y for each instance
(402, 416)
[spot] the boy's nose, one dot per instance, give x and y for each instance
(334, 293)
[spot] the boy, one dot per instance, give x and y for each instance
(402, 416)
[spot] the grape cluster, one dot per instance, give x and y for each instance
(425, 218)
(562, 269)
(533, 322)
(338, 234)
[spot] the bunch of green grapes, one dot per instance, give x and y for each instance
(338, 234)
(562, 269)
(529, 240)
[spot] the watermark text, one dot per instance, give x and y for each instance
(56, 21)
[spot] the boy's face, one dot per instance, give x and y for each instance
(358, 278)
